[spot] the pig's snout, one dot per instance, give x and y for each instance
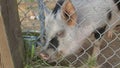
(50, 56)
(44, 56)
(47, 57)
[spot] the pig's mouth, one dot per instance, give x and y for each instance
(47, 58)
(51, 58)
(44, 56)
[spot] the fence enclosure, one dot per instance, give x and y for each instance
(12, 50)
(109, 49)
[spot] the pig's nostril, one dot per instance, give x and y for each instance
(44, 56)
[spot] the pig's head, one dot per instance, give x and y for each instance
(60, 31)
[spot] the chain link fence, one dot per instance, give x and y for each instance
(32, 25)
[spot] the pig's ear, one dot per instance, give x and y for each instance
(47, 11)
(68, 13)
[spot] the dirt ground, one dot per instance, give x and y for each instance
(30, 9)
(110, 54)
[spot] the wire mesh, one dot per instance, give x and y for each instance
(31, 13)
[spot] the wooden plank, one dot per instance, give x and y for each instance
(5, 55)
(13, 31)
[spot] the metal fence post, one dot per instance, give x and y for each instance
(41, 18)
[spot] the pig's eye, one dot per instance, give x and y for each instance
(61, 33)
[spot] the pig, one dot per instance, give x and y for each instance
(72, 21)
